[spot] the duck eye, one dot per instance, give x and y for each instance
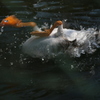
(5, 20)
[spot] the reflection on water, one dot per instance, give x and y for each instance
(25, 78)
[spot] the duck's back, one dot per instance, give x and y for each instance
(43, 47)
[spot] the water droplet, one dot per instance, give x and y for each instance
(42, 59)
(4, 57)
(1, 30)
(11, 63)
(72, 66)
(14, 46)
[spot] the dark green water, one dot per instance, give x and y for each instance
(61, 78)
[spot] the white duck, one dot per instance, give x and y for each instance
(41, 43)
(53, 41)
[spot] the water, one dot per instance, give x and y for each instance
(63, 77)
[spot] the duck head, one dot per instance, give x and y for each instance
(10, 21)
(57, 23)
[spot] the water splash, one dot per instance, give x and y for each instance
(45, 26)
(87, 42)
(1, 30)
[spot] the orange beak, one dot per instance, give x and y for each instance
(59, 23)
(10, 21)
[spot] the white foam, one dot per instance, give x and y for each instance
(86, 41)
